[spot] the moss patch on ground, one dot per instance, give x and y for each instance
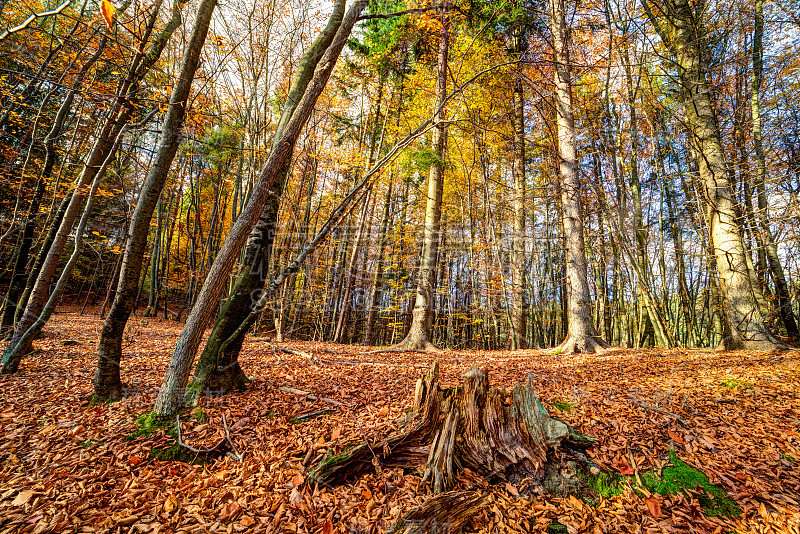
(149, 423)
(673, 479)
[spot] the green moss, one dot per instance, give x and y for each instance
(149, 423)
(89, 443)
(788, 457)
(556, 528)
(679, 477)
(682, 477)
(606, 484)
(562, 405)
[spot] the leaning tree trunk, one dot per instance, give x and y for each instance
(682, 32)
(485, 429)
(581, 334)
(177, 374)
(107, 383)
(221, 371)
(419, 335)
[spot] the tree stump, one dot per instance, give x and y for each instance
(488, 430)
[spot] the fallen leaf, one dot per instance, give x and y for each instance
(675, 437)
(170, 504)
(247, 521)
(22, 498)
(337, 433)
(383, 411)
(653, 506)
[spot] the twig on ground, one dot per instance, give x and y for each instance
(677, 418)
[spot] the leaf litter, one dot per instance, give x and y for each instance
(67, 466)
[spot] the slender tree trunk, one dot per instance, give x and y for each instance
(771, 248)
(419, 335)
(107, 383)
(518, 329)
(581, 334)
(376, 292)
(683, 32)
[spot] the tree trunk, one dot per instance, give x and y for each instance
(419, 335)
(222, 372)
(581, 334)
(376, 291)
(177, 373)
(771, 249)
(107, 383)
(518, 330)
(682, 32)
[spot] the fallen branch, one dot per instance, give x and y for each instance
(307, 395)
(311, 415)
(231, 449)
(677, 418)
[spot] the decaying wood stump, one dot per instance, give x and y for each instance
(488, 430)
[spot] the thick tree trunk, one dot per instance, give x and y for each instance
(581, 334)
(221, 371)
(683, 32)
(107, 382)
(419, 335)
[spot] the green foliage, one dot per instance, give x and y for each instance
(735, 383)
(562, 405)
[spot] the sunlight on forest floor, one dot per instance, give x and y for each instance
(69, 467)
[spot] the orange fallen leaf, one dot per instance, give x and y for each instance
(675, 437)
(337, 433)
(383, 412)
(134, 460)
(297, 480)
(653, 506)
(247, 521)
(327, 528)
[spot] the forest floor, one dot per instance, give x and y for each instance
(66, 466)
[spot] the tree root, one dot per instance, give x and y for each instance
(577, 345)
